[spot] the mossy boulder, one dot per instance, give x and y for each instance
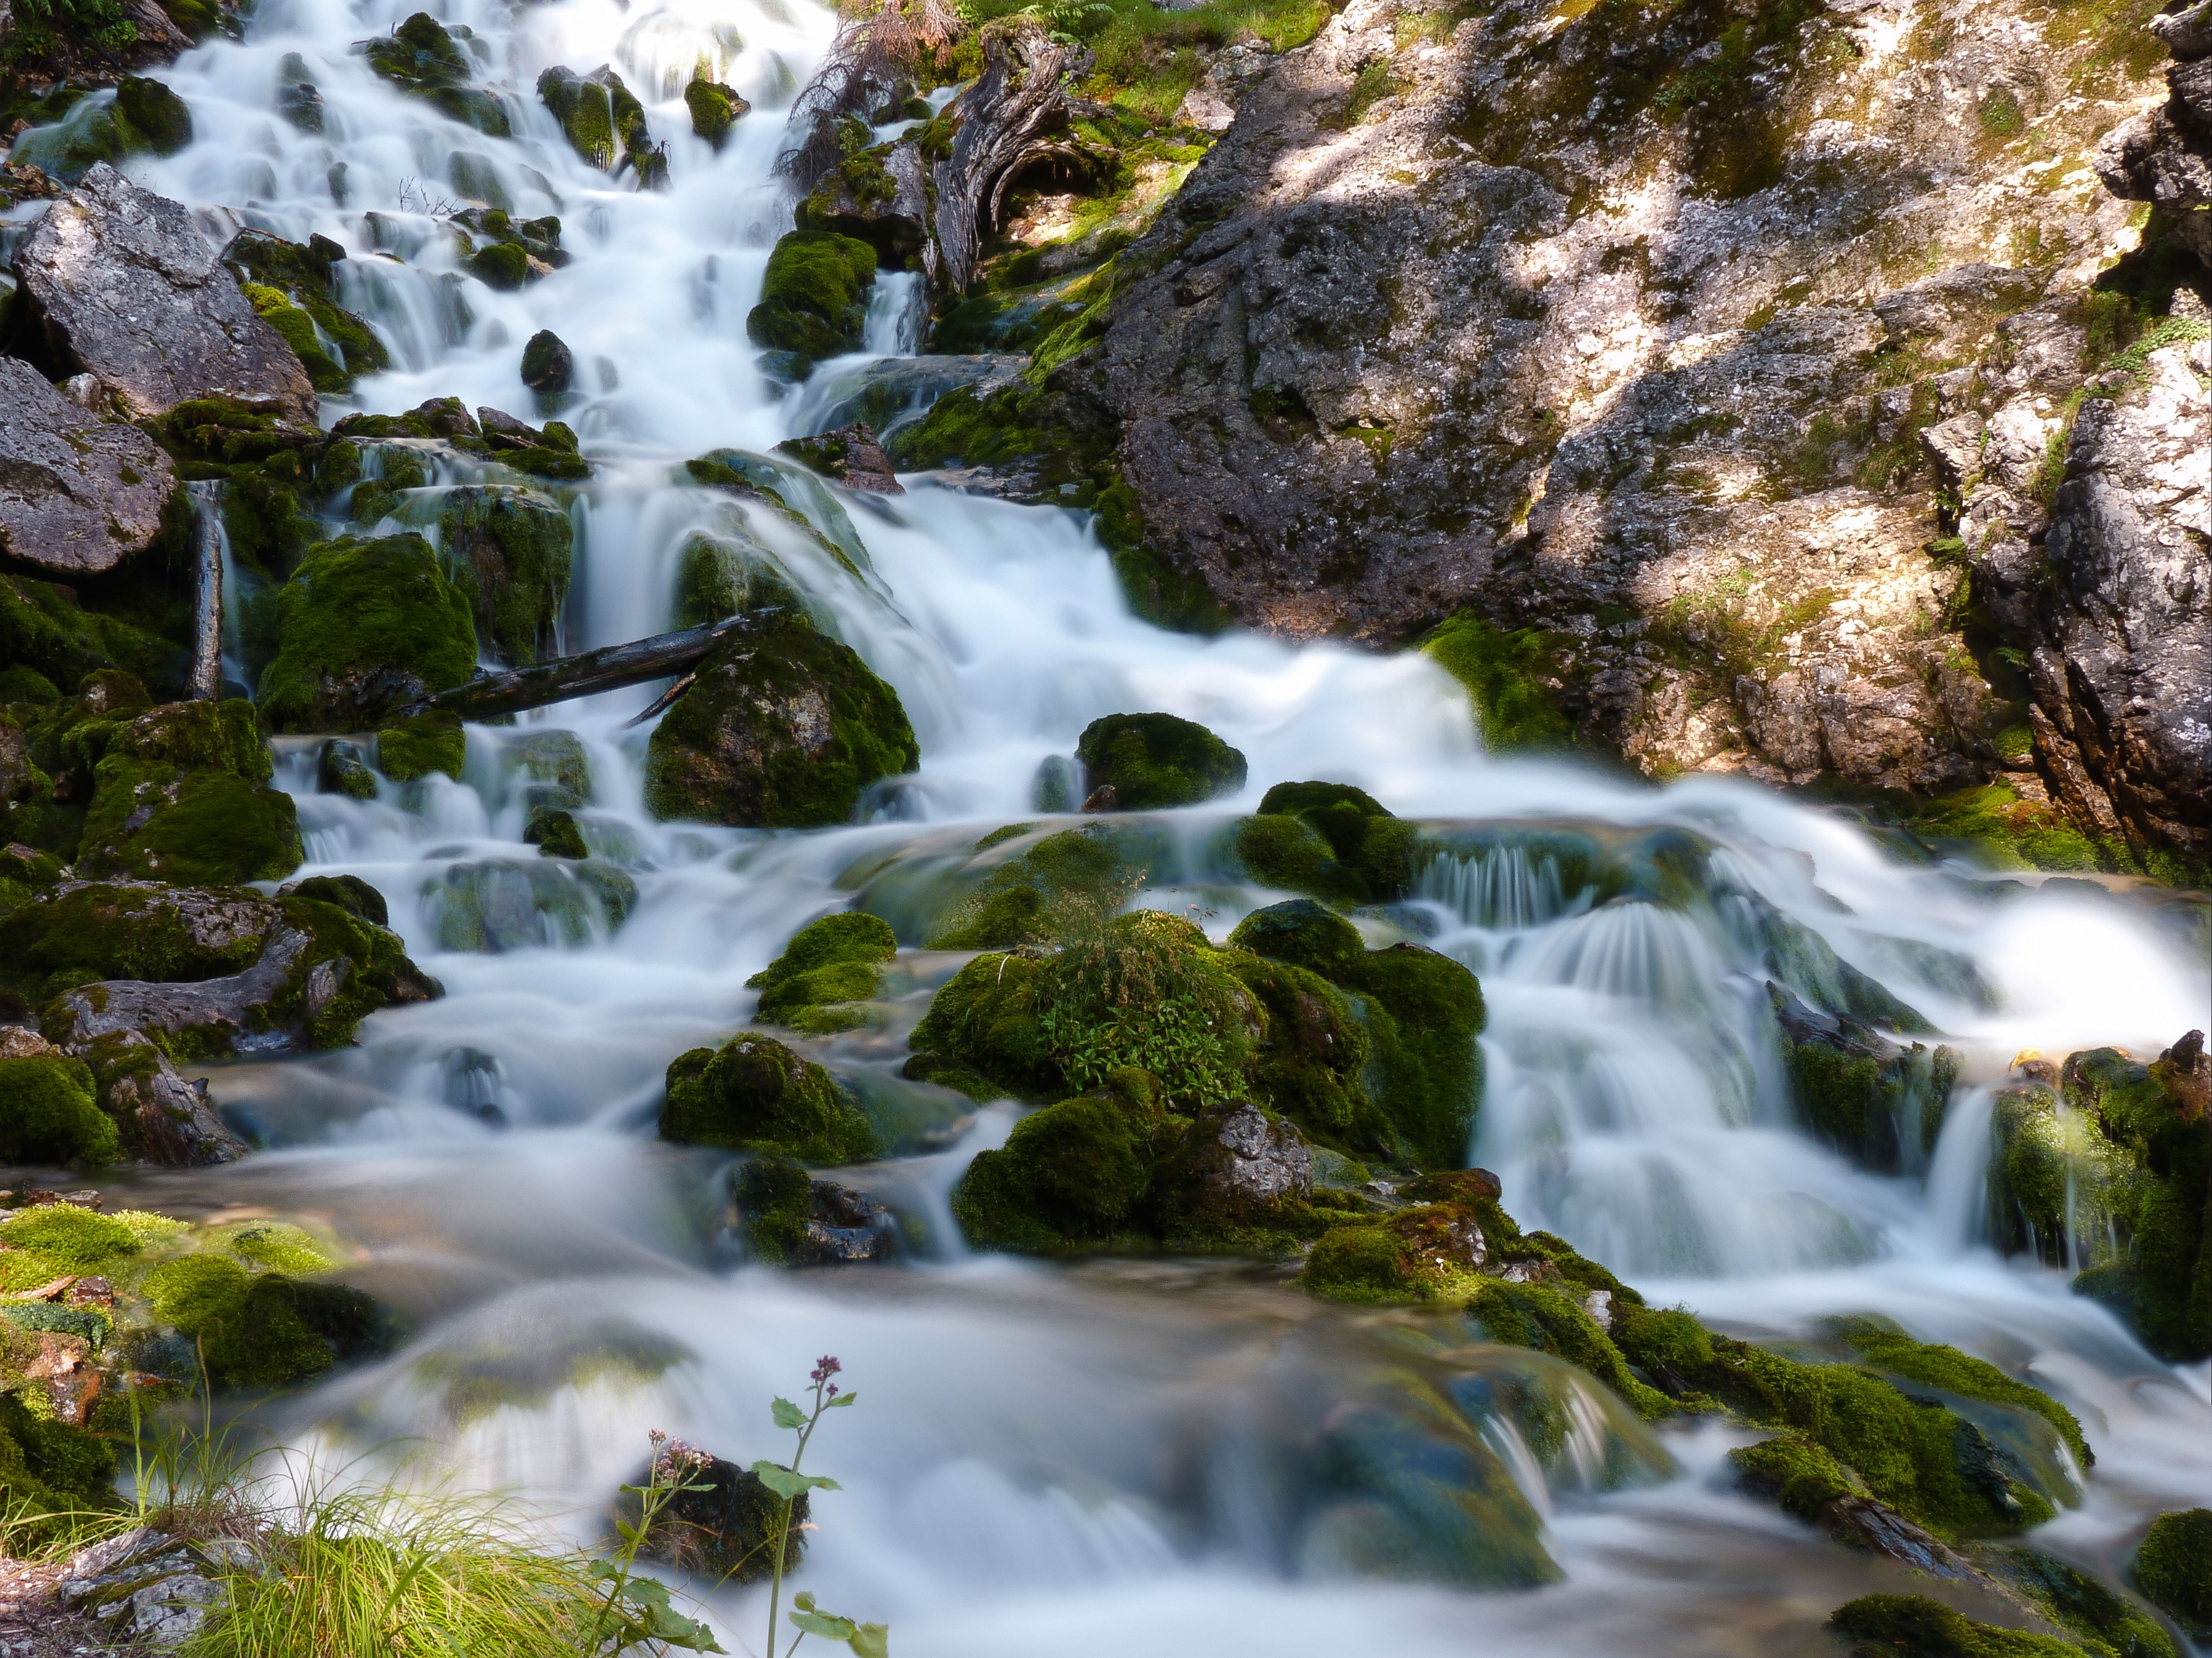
(814, 296)
(262, 1330)
(1505, 675)
(604, 121)
(508, 549)
(2174, 1568)
(1878, 1102)
(1074, 1172)
(98, 931)
(348, 892)
(413, 747)
(1014, 903)
(1308, 1061)
(753, 1094)
(714, 109)
(1330, 841)
(781, 729)
(292, 289)
(556, 834)
(984, 1020)
(1303, 934)
(364, 627)
(547, 365)
(1914, 1626)
(156, 114)
(50, 1113)
(1149, 762)
(729, 574)
(830, 966)
(180, 794)
(501, 904)
(425, 59)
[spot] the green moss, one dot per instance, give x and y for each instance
(1014, 904)
(828, 962)
(985, 1018)
(258, 1331)
(1074, 1171)
(1154, 761)
(1283, 851)
(719, 576)
(775, 1198)
(52, 1476)
(715, 110)
(1143, 991)
(814, 295)
(555, 834)
(756, 1094)
(1887, 1347)
(2105, 1621)
(782, 729)
(67, 1237)
(413, 748)
(1913, 1626)
(100, 931)
(1427, 1011)
(2006, 832)
(46, 628)
(180, 795)
(1417, 1255)
(1798, 1476)
(276, 1245)
(1303, 934)
(50, 1113)
(348, 892)
(1540, 1315)
(1865, 1096)
(363, 626)
(509, 551)
(2174, 1568)
(1504, 675)
(1307, 1063)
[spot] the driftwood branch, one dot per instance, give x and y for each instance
(606, 669)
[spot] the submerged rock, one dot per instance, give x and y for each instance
(82, 494)
(118, 282)
(786, 1217)
(508, 549)
(504, 904)
(780, 729)
(363, 627)
(1146, 762)
(1878, 1102)
(830, 966)
(753, 1094)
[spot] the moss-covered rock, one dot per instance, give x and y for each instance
(156, 113)
(291, 290)
(100, 931)
(985, 1019)
(1886, 1347)
(2174, 1568)
(729, 574)
(1913, 1626)
(1015, 903)
(830, 966)
(509, 551)
(341, 767)
(1308, 1059)
(715, 110)
(180, 794)
(1149, 762)
(1505, 675)
(1074, 1172)
(424, 59)
(814, 296)
(556, 834)
(261, 1330)
(363, 627)
(501, 904)
(348, 892)
(604, 121)
(1879, 1102)
(754, 1095)
(1330, 841)
(1303, 934)
(415, 747)
(50, 1113)
(781, 729)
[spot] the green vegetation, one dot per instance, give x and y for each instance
(1074, 1172)
(1886, 1347)
(1015, 903)
(423, 59)
(1505, 674)
(1152, 761)
(41, 26)
(363, 626)
(830, 966)
(1913, 1626)
(814, 296)
(509, 551)
(756, 1094)
(424, 743)
(180, 794)
(715, 110)
(1328, 841)
(2174, 1568)
(50, 1113)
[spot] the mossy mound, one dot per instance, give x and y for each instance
(1303, 934)
(50, 1113)
(756, 1094)
(781, 729)
(1074, 1172)
(415, 747)
(1152, 762)
(1913, 1626)
(1308, 1058)
(1330, 841)
(509, 551)
(714, 109)
(261, 1330)
(774, 1197)
(2174, 1568)
(985, 1020)
(724, 575)
(46, 631)
(1504, 675)
(180, 794)
(814, 296)
(424, 59)
(602, 120)
(830, 966)
(363, 627)
(1014, 904)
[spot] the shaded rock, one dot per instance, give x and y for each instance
(299, 100)
(729, 574)
(341, 768)
(754, 1094)
(785, 1216)
(728, 1529)
(181, 793)
(880, 196)
(547, 366)
(2173, 1567)
(850, 455)
(161, 1117)
(1151, 760)
(507, 550)
(116, 283)
(364, 627)
(782, 728)
(147, 1586)
(77, 495)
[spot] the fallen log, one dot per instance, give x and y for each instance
(609, 669)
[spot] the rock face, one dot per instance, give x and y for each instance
(2123, 669)
(2164, 155)
(1234, 1155)
(118, 284)
(779, 729)
(77, 495)
(151, 1587)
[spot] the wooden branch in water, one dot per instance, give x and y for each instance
(206, 683)
(606, 669)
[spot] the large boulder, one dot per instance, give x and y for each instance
(2174, 1569)
(814, 297)
(425, 60)
(2123, 669)
(508, 549)
(81, 495)
(118, 283)
(181, 793)
(782, 729)
(364, 627)
(756, 1094)
(1145, 761)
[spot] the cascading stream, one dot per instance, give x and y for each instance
(1100, 1458)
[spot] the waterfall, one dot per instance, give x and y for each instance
(1109, 1455)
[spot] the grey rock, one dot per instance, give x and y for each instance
(2187, 32)
(150, 1587)
(77, 495)
(225, 1006)
(1234, 1154)
(120, 285)
(169, 1120)
(2123, 676)
(843, 1225)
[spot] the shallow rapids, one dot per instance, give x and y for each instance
(1104, 1458)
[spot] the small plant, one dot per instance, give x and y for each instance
(867, 1639)
(635, 1611)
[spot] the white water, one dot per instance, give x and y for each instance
(1088, 1459)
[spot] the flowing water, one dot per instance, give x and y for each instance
(1109, 1457)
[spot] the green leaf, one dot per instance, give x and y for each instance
(647, 1592)
(781, 1480)
(803, 1600)
(829, 1627)
(788, 1415)
(822, 1481)
(843, 1398)
(871, 1641)
(628, 1532)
